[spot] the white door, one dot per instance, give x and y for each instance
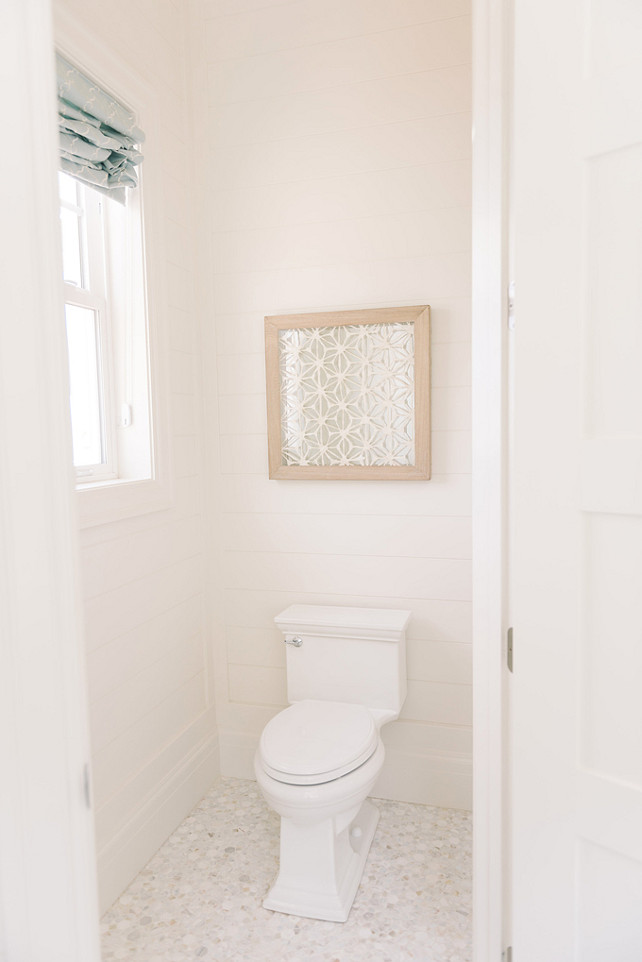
(48, 899)
(576, 488)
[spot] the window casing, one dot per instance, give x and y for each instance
(145, 480)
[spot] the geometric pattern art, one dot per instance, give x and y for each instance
(348, 394)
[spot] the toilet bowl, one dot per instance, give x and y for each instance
(319, 759)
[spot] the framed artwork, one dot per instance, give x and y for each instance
(348, 394)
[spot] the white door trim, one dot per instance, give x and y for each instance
(48, 900)
(491, 49)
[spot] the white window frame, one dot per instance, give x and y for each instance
(94, 295)
(103, 501)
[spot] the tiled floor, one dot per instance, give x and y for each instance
(200, 896)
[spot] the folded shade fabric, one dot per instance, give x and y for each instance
(98, 135)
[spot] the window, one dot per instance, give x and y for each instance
(105, 314)
(113, 226)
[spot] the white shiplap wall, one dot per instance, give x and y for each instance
(340, 161)
(153, 726)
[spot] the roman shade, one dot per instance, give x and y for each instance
(98, 135)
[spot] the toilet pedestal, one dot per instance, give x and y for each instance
(321, 865)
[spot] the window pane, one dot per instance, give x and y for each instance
(68, 188)
(71, 256)
(85, 385)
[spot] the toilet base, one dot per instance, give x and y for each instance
(320, 867)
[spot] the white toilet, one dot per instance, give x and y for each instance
(318, 760)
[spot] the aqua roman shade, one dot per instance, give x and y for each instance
(98, 135)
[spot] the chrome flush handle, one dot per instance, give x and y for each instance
(294, 640)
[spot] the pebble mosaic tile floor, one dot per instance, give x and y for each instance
(199, 898)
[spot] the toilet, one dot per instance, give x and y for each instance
(318, 760)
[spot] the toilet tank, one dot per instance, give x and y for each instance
(355, 655)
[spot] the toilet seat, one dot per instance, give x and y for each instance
(312, 742)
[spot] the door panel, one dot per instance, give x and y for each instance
(576, 486)
(613, 388)
(609, 899)
(611, 655)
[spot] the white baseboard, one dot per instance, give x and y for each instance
(123, 857)
(237, 753)
(442, 779)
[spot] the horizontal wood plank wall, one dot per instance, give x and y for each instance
(340, 163)
(153, 725)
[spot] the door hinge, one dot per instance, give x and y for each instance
(511, 306)
(507, 954)
(509, 655)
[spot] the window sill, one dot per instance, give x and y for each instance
(82, 485)
(103, 502)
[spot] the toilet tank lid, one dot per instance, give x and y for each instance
(386, 624)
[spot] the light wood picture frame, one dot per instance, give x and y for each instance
(348, 394)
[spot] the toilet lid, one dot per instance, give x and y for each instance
(316, 741)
